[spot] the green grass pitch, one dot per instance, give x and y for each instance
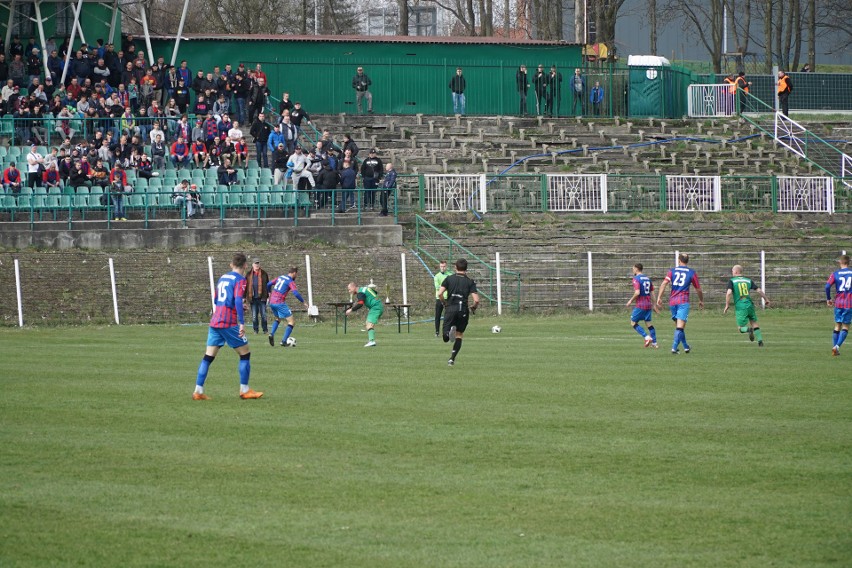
(559, 442)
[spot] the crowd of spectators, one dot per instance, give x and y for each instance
(113, 111)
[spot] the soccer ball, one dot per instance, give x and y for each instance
(496, 329)
(291, 342)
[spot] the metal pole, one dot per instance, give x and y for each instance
(40, 23)
(212, 283)
(77, 13)
(499, 286)
(71, 42)
(404, 284)
(9, 23)
(591, 296)
(18, 289)
(316, 17)
(114, 293)
(179, 32)
(775, 91)
(112, 22)
(763, 276)
(677, 254)
(145, 31)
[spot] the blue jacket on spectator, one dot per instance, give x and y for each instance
(275, 138)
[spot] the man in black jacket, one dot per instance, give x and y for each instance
(540, 86)
(328, 180)
(523, 86)
(457, 86)
(361, 83)
(371, 172)
(260, 131)
(257, 98)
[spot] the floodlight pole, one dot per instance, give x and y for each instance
(10, 22)
(145, 31)
(40, 24)
(179, 32)
(112, 22)
(71, 41)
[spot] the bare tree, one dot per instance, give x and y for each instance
(652, 24)
(740, 16)
(402, 26)
(833, 16)
(606, 14)
(706, 21)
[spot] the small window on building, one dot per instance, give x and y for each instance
(64, 18)
(22, 24)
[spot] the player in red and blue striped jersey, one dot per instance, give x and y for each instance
(642, 288)
(278, 290)
(842, 282)
(228, 326)
(681, 278)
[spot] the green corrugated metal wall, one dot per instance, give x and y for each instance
(408, 78)
(94, 20)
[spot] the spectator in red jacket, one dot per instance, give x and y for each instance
(180, 153)
(199, 154)
(12, 179)
(50, 177)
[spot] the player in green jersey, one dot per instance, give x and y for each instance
(740, 288)
(367, 296)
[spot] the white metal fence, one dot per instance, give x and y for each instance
(591, 193)
(454, 192)
(694, 193)
(806, 194)
(711, 100)
(578, 192)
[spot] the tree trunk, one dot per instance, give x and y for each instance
(812, 34)
(797, 36)
(507, 23)
(402, 25)
(304, 17)
(652, 13)
(767, 35)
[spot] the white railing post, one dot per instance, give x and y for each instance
(483, 198)
(18, 290)
(591, 286)
(763, 276)
(404, 283)
(604, 200)
(114, 293)
(212, 282)
(499, 285)
(310, 285)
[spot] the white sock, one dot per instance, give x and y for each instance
(243, 388)
(199, 390)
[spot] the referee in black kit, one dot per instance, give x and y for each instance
(458, 287)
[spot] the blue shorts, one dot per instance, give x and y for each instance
(281, 310)
(219, 336)
(843, 315)
(640, 315)
(680, 312)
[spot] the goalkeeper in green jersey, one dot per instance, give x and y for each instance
(740, 288)
(367, 296)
